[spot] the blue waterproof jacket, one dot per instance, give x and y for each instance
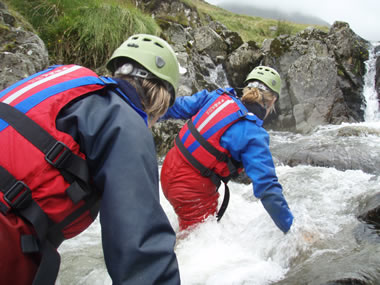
(137, 237)
(248, 142)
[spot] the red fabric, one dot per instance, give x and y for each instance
(213, 119)
(16, 268)
(26, 163)
(192, 196)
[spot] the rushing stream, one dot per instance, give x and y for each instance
(327, 241)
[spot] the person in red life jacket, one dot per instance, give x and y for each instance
(70, 139)
(224, 135)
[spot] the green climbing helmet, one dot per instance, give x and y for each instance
(153, 53)
(268, 76)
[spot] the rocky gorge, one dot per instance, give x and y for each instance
(323, 81)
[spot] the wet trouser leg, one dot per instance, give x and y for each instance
(192, 196)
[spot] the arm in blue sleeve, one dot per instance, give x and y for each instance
(249, 144)
(186, 106)
(138, 240)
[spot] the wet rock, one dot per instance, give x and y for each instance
(329, 150)
(370, 212)
(22, 52)
(357, 266)
(164, 134)
(377, 77)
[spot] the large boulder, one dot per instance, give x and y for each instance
(22, 52)
(210, 42)
(322, 77)
(350, 53)
(232, 39)
(241, 61)
(171, 11)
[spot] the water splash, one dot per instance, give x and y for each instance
(245, 247)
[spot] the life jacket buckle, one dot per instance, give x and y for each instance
(18, 196)
(57, 154)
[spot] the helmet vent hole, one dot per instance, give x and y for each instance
(133, 45)
(157, 44)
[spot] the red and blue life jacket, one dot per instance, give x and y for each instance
(199, 141)
(44, 178)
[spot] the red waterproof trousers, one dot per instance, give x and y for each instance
(16, 267)
(192, 196)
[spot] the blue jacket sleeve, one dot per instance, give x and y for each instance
(249, 144)
(138, 240)
(186, 106)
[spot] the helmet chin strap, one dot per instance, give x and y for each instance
(139, 88)
(263, 101)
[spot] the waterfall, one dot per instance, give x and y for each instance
(218, 76)
(371, 108)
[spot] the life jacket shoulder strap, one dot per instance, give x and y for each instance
(56, 153)
(220, 156)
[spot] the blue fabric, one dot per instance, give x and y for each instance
(132, 98)
(248, 142)
(138, 240)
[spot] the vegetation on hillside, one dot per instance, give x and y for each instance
(84, 32)
(251, 28)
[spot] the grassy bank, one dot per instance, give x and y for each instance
(84, 32)
(249, 27)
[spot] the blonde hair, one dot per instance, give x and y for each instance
(256, 95)
(155, 98)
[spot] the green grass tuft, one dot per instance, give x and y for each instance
(84, 32)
